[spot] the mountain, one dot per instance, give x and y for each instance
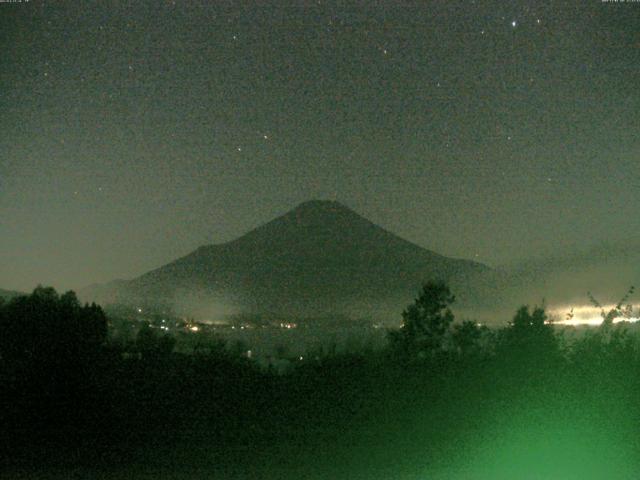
(319, 258)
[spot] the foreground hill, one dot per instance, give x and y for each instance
(319, 258)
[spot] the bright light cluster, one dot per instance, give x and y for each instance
(585, 315)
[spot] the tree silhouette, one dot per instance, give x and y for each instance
(51, 349)
(529, 337)
(621, 309)
(425, 323)
(47, 328)
(151, 344)
(466, 336)
(609, 341)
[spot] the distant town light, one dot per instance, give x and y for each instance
(586, 315)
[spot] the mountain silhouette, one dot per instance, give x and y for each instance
(319, 258)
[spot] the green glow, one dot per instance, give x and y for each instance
(529, 448)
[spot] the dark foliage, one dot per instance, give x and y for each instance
(152, 345)
(74, 401)
(529, 338)
(46, 327)
(425, 323)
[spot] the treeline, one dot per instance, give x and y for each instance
(449, 398)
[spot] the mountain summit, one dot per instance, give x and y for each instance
(319, 258)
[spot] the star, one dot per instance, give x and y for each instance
(514, 23)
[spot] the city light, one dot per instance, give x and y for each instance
(585, 315)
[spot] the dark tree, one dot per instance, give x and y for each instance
(426, 322)
(151, 344)
(466, 337)
(47, 329)
(622, 309)
(51, 352)
(529, 337)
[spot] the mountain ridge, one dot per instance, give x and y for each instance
(320, 257)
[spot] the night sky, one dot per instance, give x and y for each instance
(134, 132)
